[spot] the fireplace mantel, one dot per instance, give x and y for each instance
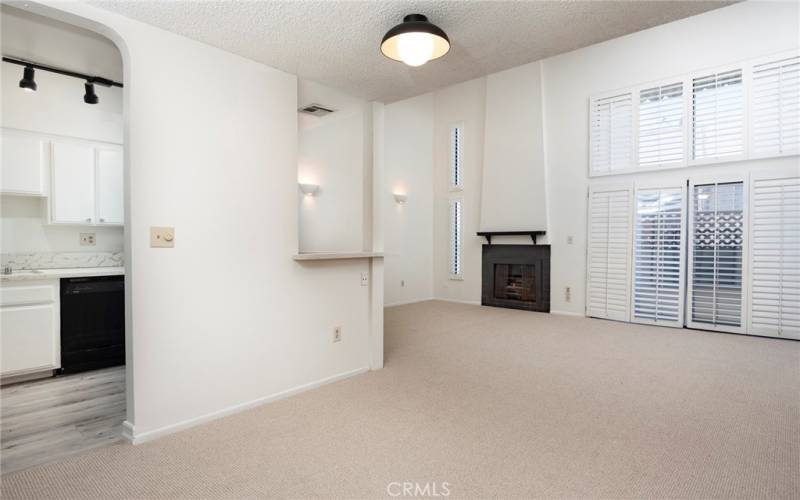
(488, 234)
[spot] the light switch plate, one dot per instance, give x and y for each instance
(162, 237)
(87, 239)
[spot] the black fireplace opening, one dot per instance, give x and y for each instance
(516, 276)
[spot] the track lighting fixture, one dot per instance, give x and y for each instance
(90, 97)
(27, 82)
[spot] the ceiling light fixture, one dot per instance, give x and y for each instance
(27, 82)
(415, 41)
(90, 97)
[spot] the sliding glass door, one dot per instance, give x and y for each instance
(715, 299)
(658, 260)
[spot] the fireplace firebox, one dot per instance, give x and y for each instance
(516, 276)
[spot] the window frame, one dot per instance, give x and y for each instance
(746, 67)
(638, 167)
(454, 174)
(750, 96)
(634, 123)
(456, 238)
(689, 148)
(701, 180)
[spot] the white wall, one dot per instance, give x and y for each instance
(24, 230)
(722, 36)
(408, 228)
(226, 319)
(332, 154)
(57, 108)
(462, 104)
(513, 197)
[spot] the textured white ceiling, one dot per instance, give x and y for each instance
(336, 42)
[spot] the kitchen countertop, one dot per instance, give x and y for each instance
(50, 274)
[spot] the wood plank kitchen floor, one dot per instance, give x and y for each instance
(46, 420)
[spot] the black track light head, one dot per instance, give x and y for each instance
(27, 82)
(90, 97)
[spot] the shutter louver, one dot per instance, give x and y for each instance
(661, 124)
(455, 238)
(611, 137)
(658, 257)
(609, 254)
(775, 273)
(717, 115)
(775, 107)
(717, 247)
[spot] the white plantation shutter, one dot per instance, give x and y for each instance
(661, 125)
(658, 256)
(715, 275)
(775, 107)
(718, 115)
(775, 257)
(455, 238)
(608, 264)
(611, 133)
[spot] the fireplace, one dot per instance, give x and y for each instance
(516, 276)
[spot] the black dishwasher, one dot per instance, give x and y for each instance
(92, 323)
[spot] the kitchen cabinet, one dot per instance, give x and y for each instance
(24, 163)
(29, 327)
(109, 187)
(73, 189)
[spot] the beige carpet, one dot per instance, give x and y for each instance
(496, 403)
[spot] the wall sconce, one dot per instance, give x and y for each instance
(400, 198)
(309, 189)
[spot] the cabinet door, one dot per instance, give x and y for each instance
(23, 164)
(27, 338)
(72, 200)
(108, 187)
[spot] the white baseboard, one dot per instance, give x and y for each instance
(457, 301)
(406, 302)
(129, 430)
(568, 313)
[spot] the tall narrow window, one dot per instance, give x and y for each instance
(775, 258)
(717, 115)
(658, 259)
(661, 113)
(611, 133)
(775, 107)
(455, 239)
(456, 157)
(609, 253)
(717, 247)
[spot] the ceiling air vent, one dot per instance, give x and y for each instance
(315, 110)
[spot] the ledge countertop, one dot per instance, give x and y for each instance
(336, 255)
(51, 274)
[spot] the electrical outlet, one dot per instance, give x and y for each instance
(570, 240)
(87, 239)
(364, 279)
(337, 333)
(568, 294)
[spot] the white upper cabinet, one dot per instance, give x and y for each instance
(109, 187)
(72, 200)
(24, 164)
